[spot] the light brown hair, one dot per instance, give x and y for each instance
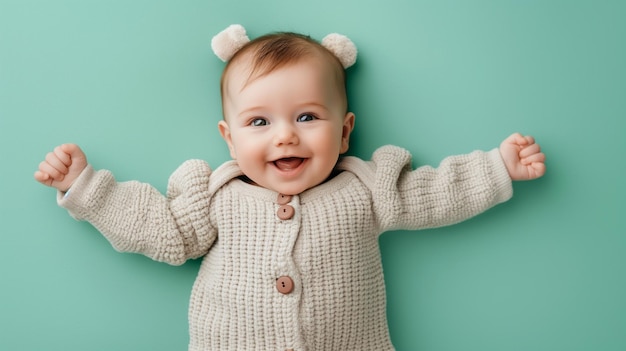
(276, 50)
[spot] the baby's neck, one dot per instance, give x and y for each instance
(332, 175)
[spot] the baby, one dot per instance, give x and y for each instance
(288, 230)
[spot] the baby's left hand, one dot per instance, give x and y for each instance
(523, 157)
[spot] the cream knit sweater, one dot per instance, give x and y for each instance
(328, 249)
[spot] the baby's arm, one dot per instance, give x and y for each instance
(61, 167)
(522, 157)
(134, 216)
(427, 197)
(460, 188)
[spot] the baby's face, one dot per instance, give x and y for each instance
(286, 129)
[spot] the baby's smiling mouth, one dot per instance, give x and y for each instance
(288, 163)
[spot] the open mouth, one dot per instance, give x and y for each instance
(289, 163)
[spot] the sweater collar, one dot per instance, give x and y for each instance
(229, 172)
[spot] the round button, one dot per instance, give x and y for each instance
(285, 212)
(283, 199)
(284, 285)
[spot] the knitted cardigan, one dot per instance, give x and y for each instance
(328, 249)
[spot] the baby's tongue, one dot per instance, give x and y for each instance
(287, 164)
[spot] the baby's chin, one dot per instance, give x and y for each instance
(296, 187)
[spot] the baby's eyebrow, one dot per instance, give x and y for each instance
(300, 106)
(251, 109)
(313, 103)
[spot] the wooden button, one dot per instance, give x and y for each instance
(283, 199)
(285, 212)
(284, 285)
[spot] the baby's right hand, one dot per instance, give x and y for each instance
(61, 167)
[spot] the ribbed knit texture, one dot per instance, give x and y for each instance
(329, 248)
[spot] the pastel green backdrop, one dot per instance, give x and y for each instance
(136, 85)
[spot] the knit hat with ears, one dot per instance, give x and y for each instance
(227, 42)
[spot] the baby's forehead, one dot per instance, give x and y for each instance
(246, 68)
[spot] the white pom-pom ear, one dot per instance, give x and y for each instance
(342, 47)
(227, 42)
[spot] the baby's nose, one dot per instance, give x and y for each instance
(285, 135)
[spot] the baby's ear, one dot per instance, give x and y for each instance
(225, 133)
(227, 42)
(342, 47)
(348, 126)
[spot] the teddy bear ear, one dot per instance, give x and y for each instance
(227, 42)
(342, 47)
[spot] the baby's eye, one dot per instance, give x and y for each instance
(257, 122)
(306, 117)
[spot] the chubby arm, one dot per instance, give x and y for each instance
(459, 188)
(134, 216)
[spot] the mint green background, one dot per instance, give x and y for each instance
(136, 85)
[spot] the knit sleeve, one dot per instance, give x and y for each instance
(461, 187)
(135, 217)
